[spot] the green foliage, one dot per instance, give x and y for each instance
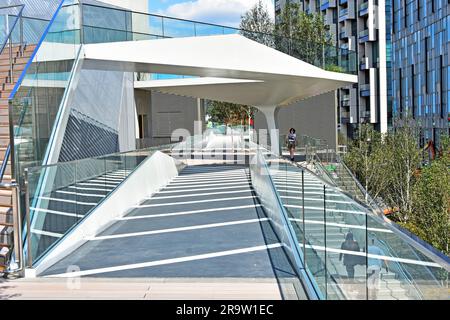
(404, 159)
(389, 167)
(367, 159)
(229, 113)
(430, 217)
(256, 24)
(334, 68)
(303, 35)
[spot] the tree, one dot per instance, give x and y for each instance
(403, 159)
(303, 35)
(430, 215)
(229, 113)
(256, 24)
(366, 158)
(389, 168)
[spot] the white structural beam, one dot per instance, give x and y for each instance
(275, 78)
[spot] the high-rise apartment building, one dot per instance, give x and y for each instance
(363, 26)
(421, 66)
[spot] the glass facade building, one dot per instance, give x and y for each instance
(421, 66)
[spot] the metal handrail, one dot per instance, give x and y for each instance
(288, 226)
(326, 184)
(322, 169)
(405, 272)
(415, 243)
(10, 31)
(373, 206)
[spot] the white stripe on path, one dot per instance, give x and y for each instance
(166, 261)
(198, 227)
(192, 202)
(181, 213)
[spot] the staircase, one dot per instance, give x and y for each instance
(8, 78)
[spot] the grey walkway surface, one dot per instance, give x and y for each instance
(207, 223)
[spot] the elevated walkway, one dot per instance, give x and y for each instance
(267, 224)
(207, 223)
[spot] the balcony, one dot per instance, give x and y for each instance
(363, 36)
(364, 9)
(343, 35)
(324, 4)
(343, 14)
(364, 116)
(345, 117)
(344, 47)
(345, 100)
(364, 64)
(364, 90)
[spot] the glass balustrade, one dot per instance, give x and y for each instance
(126, 25)
(60, 196)
(349, 250)
(36, 98)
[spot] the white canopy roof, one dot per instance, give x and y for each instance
(231, 68)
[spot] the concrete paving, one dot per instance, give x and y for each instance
(140, 289)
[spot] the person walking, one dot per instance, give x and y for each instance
(291, 143)
(350, 260)
(374, 266)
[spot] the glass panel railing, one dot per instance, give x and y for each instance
(125, 25)
(36, 97)
(339, 231)
(265, 185)
(63, 194)
(9, 18)
(404, 271)
(345, 234)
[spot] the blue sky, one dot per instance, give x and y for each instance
(223, 12)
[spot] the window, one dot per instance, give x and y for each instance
(427, 74)
(419, 8)
(413, 92)
(441, 82)
(405, 14)
(400, 89)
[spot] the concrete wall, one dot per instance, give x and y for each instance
(315, 117)
(164, 114)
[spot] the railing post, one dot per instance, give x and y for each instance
(325, 239)
(17, 221)
(367, 257)
(22, 49)
(28, 220)
(303, 216)
(81, 24)
(10, 50)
